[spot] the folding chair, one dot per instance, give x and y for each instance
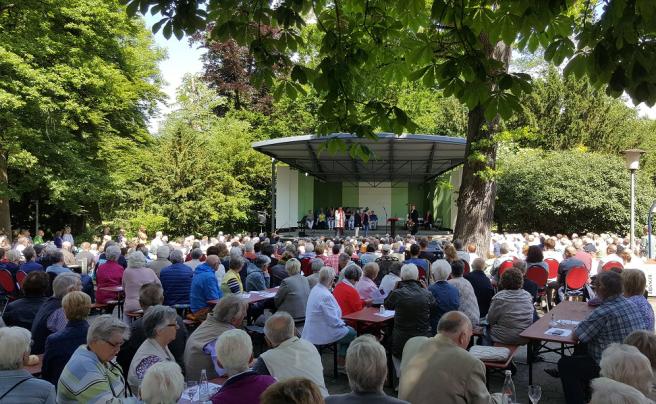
(540, 276)
(612, 266)
(20, 278)
(553, 268)
(504, 265)
(575, 281)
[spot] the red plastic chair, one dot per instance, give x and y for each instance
(467, 267)
(306, 266)
(20, 278)
(7, 284)
(538, 275)
(553, 268)
(504, 265)
(575, 281)
(612, 265)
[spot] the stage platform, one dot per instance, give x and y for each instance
(290, 234)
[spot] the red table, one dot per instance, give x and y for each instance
(368, 315)
(254, 297)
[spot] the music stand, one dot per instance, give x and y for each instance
(392, 221)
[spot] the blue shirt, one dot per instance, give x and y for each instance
(57, 269)
(611, 322)
(447, 298)
(204, 287)
(31, 266)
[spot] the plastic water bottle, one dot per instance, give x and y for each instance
(203, 388)
(382, 309)
(508, 391)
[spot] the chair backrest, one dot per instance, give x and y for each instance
(306, 266)
(20, 278)
(538, 275)
(504, 265)
(553, 267)
(467, 267)
(612, 265)
(7, 282)
(576, 277)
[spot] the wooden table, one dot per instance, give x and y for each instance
(538, 340)
(114, 289)
(254, 297)
(368, 315)
(35, 370)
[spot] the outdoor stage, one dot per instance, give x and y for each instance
(288, 234)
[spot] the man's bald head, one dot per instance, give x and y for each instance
(212, 261)
(279, 328)
(456, 326)
(570, 251)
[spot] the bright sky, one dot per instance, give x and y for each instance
(182, 59)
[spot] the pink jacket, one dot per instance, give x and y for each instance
(108, 274)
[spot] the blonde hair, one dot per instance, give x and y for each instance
(162, 384)
(625, 364)
(645, 341)
(633, 282)
(76, 305)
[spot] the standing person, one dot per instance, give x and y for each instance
(357, 221)
(414, 216)
(331, 219)
(68, 237)
(365, 222)
(339, 222)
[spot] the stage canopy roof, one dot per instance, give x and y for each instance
(407, 158)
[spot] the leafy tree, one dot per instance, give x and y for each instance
(567, 191)
(79, 79)
(462, 46)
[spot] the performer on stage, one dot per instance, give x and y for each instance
(414, 217)
(340, 218)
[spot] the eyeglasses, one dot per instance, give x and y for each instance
(114, 345)
(173, 325)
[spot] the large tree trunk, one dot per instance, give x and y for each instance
(477, 193)
(5, 218)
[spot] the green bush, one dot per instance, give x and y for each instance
(567, 191)
(132, 220)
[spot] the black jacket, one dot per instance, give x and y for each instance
(483, 290)
(414, 307)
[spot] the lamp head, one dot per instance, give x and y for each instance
(632, 158)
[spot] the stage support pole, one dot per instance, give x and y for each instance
(273, 196)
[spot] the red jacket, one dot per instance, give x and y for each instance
(348, 298)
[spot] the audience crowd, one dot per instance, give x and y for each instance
(123, 321)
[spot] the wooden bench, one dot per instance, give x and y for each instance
(500, 366)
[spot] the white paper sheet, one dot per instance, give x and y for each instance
(213, 387)
(245, 295)
(558, 332)
(386, 313)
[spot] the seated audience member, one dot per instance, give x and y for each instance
(483, 288)
(204, 286)
(296, 390)
(367, 287)
(85, 255)
(91, 376)
(460, 251)
(316, 265)
(61, 345)
(612, 321)
(282, 361)
(634, 283)
(609, 391)
(424, 253)
(627, 365)
(160, 326)
(21, 312)
(176, 280)
(136, 275)
(446, 296)
(278, 272)
(30, 263)
(528, 285)
(162, 384)
(511, 310)
(199, 352)
(443, 356)
(468, 301)
(231, 283)
(17, 386)
(505, 255)
(162, 260)
(534, 256)
(258, 277)
(151, 294)
(12, 264)
(414, 308)
(57, 267)
(645, 341)
(369, 255)
(611, 256)
(292, 297)
(366, 368)
(51, 318)
(570, 261)
(385, 262)
(196, 256)
(389, 281)
(234, 351)
(109, 274)
(421, 263)
(346, 294)
(323, 317)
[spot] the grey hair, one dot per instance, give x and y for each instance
(440, 270)
(626, 364)
(235, 252)
(104, 326)
(409, 272)
(309, 247)
(261, 261)
(64, 283)
(234, 350)
(14, 344)
(366, 365)
(163, 383)
(157, 318)
(176, 256)
(112, 252)
(326, 276)
(136, 260)
(196, 253)
(317, 264)
(249, 247)
(352, 272)
(14, 255)
(56, 255)
(163, 251)
(293, 266)
(453, 322)
(229, 308)
(279, 327)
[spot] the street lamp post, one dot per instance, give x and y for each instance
(632, 157)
